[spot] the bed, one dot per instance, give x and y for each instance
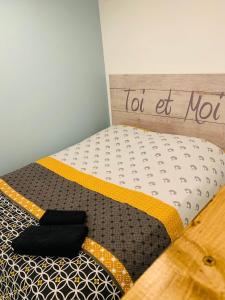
(141, 184)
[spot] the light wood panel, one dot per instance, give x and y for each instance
(182, 104)
(193, 267)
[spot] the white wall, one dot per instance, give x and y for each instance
(52, 80)
(163, 36)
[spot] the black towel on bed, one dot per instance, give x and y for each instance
(51, 240)
(62, 217)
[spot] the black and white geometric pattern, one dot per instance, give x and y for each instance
(182, 171)
(25, 277)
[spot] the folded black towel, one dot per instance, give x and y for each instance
(62, 217)
(51, 240)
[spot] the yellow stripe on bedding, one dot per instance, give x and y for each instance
(28, 205)
(111, 263)
(106, 258)
(164, 212)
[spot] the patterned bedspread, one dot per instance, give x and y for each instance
(128, 229)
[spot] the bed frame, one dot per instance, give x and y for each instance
(193, 267)
(182, 104)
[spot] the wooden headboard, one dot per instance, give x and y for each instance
(192, 105)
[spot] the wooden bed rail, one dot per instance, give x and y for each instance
(193, 267)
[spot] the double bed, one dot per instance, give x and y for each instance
(140, 187)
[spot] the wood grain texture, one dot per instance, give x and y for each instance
(193, 267)
(192, 105)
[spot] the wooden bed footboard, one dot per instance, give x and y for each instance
(193, 267)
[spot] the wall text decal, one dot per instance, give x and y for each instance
(197, 106)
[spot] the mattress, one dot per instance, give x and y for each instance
(139, 189)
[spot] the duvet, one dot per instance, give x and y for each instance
(139, 190)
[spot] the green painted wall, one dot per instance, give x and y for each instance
(52, 77)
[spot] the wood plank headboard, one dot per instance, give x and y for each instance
(192, 105)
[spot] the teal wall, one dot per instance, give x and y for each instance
(52, 78)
